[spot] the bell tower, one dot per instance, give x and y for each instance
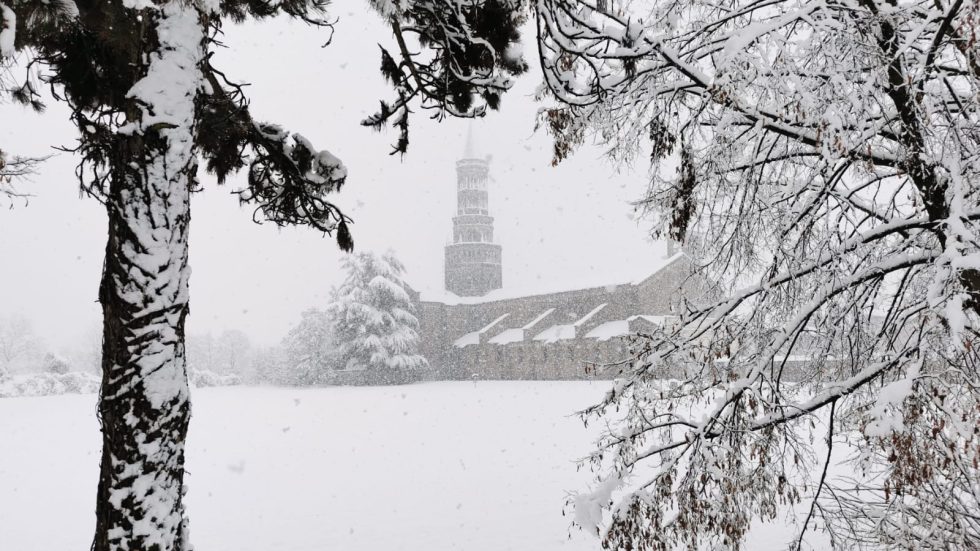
(472, 260)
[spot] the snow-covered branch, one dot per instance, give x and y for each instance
(820, 164)
(454, 58)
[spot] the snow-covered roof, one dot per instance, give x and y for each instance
(556, 333)
(566, 331)
(516, 334)
(609, 330)
(659, 320)
(632, 274)
(619, 328)
(473, 337)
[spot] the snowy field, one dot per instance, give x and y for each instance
(480, 466)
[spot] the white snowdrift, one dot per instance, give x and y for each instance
(201, 378)
(80, 382)
(450, 466)
(49, 384)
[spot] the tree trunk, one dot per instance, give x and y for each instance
(144, 404)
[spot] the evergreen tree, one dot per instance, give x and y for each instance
(148, 102)
(309, 349)
(270, 365)
(12, 170)
(374, 320)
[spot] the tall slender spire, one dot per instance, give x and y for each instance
(471, 150)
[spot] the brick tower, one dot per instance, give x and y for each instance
(473, 259)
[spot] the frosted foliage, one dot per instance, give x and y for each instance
(20, 348)
(48, 384)
(41, 13)
(453, 57)
(138, 4)
(310, 350)
(820, 161)
(8, 28)
(387, 8)
(374, 317)
(201, 378)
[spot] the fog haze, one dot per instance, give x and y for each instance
(555, 224)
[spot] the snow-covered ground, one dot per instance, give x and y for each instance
(482, 466)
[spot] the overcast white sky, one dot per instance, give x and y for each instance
(556, 225)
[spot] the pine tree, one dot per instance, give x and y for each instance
(148, 102)
(374, 320)
(14, 169)
(309, 348)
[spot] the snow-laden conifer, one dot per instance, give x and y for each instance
(374, 321)
(310, 350)
(148, 102)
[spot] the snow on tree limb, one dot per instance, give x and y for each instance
(8, 30)
(828, 181)
(14, 170)
(288, 179)
(454, 58)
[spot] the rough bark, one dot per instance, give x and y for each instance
(144, 405)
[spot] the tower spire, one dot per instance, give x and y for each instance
(473, 259)
(470, 151)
